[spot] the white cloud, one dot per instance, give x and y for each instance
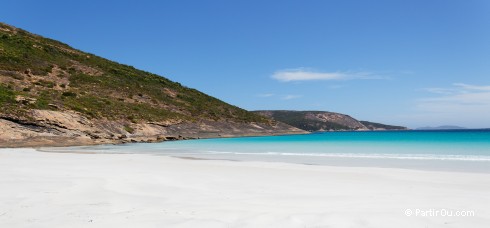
(462, 103)
(303, 74)
(265, 95)
(441, 90)
(459, 101)
(472, 87)
(458, 88)
(279, 96)
(289, 97)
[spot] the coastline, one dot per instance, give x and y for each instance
(58, 129)
(141, 190)
(331, 160)
(63, 141)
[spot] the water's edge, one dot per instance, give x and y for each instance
(461, 151)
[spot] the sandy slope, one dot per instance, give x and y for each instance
(123, 190)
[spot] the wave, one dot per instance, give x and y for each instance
(372, 156)
(180, 151)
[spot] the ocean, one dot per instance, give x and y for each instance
(447, 150)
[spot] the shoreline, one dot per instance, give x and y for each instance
(61, 141)
(382, 163)
(138, 190)
(65, 141)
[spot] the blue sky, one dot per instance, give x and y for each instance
(412, 63)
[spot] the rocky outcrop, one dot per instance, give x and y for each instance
(56, 128)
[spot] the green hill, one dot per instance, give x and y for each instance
(323, 121)
(378, 126)
(314, 120)
(38, 73)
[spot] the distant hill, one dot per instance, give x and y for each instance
(444, 127)
(378, 126)
(52, 94)
(323, 121)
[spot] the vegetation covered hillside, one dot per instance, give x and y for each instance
(324, 121)
(378, 126)
(44, 82)
(52, 75)
(314, 120)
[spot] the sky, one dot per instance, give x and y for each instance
(412, 63)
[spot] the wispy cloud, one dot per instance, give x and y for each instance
(304, 74)
(472, 87)
(289, 97)
(279, 96)
(458, 88)
(265, 95)
(461, 102)
(441, 90)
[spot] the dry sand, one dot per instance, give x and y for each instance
(40, 189)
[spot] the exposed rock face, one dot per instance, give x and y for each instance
(56, 128)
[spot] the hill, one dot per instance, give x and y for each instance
(444, 127)
(378, 126)
(314, 120)
(50, 91)
(323, 121)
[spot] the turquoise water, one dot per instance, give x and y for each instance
(449, 150)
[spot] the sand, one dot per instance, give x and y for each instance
(39, 189)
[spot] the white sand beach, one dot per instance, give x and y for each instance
(39, 189)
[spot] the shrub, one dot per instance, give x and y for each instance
(6, 95)
(69, 94)
(129, 129)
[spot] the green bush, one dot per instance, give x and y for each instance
(6, 95)
(69, 94)
(128, 129)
